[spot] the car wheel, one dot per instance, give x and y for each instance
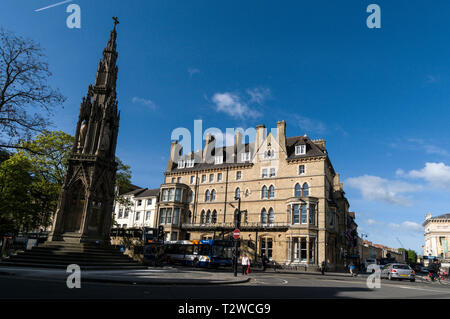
(196, 263)
(412, 280)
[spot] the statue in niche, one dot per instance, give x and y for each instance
(82, 136)
(104, 146)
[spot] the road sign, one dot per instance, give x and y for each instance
(236, 234)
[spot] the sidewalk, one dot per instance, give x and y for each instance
(151, 276)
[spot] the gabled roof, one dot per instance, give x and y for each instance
(312, 149)
(149, 193)
(445, 216)
(134, 192)
(225, 151)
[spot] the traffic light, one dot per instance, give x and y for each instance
(161, 233)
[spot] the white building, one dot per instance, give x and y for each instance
(141, 211)
(437, 236)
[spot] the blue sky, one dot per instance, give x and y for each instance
(380, 97)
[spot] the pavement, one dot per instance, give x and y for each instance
(150, 276)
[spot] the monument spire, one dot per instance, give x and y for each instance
(107, 69)
(86, 198)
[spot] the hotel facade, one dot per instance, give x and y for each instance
(293, 206)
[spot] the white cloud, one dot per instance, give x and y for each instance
(233, 105)
(436, 174)
(258, 95)
(430, 147)
(427, 146)
(407, 226)
(308, 124)
(371, 222)
(145, 102)
(375, 188)
(192, 71)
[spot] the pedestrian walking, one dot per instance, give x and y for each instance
(245, 265)
(264, 261)
(322, 268)
(352, 268)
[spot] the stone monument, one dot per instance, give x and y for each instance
(84, 211)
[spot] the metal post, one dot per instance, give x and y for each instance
(237, 224)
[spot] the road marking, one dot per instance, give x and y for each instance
(392, 285)
(284, 281)
(414, 288)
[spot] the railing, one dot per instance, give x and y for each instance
(231, 226)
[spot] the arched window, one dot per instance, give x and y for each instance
(298, 190)
(263, 216)
(271, 191)
(207, 196)
(271, 216)
(214, 217)
(264, 192)
(305, 190)
(208, 217)
(213, 195)
(237, 193)
(202, 217)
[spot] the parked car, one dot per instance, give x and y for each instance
(398, 271)
(424, 270)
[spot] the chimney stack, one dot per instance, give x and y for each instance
(281, 137)
(208, 152)
(238, 146)
(175, 149)
(260, 135)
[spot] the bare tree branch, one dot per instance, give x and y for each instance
(26, 98)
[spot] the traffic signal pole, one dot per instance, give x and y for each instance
(237, 242)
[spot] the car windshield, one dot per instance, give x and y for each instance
(400, 267)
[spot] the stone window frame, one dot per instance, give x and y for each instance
(264, 192)
(300, 169)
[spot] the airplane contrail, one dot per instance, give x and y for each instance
(53, 5)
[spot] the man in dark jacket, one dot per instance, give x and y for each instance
(434, 269)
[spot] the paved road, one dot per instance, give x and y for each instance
(262, 285)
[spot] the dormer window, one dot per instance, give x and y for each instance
(190, 163)
(245, 157)
(181, 164)
(218, 160)
(300, 150)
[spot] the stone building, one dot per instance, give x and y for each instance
(437, 236)
(293, 205)
(139, 210)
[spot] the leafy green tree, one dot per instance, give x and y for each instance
(17, 211)
(412, 256)
(31, 180)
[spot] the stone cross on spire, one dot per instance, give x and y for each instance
(116, 21)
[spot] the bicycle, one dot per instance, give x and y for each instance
(439, 276)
